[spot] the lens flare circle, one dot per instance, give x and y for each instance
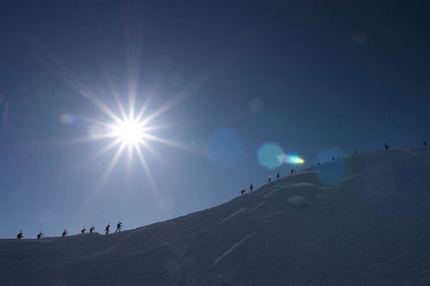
(270, 155)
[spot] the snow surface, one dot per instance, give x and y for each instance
(360, 220)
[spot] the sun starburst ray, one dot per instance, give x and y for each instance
(116, 97)
(181, 96)
(90, 160)
(146, 129)
(111, 165)
(142, 111)
(175, 144)
(148, 174)
(134, 53)
(71, 79)
(152, 151)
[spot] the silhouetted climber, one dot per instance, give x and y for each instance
(64, 233)
(107, 229)
(332, 158)
(39, 235)
(19, 235)
(270, 178)
(251, 188)
(242, 192)
(292, 171)
(355, 152)
(425, 143)
(118, 226)
(386, 147)
(278, 176)
(83, 230)
(92, 229)
(318, 163)
(338, 157)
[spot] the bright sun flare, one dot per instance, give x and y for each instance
(129, 132)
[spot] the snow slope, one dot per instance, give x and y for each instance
(360, 220)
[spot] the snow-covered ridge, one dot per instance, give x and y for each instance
(360, 220)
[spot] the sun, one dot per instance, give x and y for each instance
(129, 131)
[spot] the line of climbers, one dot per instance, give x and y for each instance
(242, 192)
(83, 230)
(387, 147)
(251, 187)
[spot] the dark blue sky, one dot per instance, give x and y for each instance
(230, 84)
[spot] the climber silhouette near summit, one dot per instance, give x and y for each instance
(118, 226)
(107, 229)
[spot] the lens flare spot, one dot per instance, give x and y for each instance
(167, 204)
(291, 159)
(256, 105)
(224, 149)
(359, 38)
(68, 119)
